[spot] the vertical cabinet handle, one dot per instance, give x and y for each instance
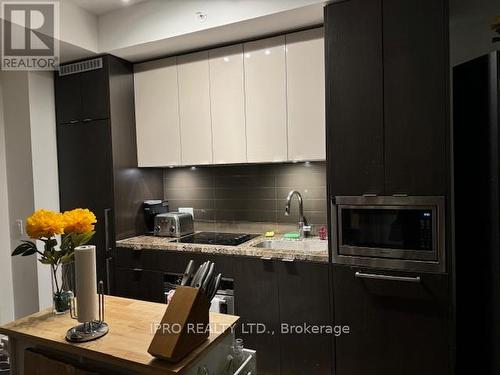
(106, 229)
(108, 249)
(108, 275)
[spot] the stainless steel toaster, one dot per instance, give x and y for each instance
(173, 224)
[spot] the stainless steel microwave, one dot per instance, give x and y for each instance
(391, 232)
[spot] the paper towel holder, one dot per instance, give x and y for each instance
(92, 330)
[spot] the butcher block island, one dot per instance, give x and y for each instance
(38, 345)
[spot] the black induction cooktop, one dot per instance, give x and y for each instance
(217, 238)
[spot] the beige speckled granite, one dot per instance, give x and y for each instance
(245, 249)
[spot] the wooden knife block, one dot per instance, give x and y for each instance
(173, 340)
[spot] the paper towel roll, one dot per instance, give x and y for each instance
(87, 305)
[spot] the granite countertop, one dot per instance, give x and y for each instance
(313, 253)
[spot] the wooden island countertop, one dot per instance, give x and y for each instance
(126, 345)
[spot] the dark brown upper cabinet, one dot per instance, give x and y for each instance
(415, 96)
(354, 106)
(387, 104)
(83, 96)
(96, 151)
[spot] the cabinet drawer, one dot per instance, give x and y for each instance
(143, 259)
(140, 284)
(391, 318)
(172, 261)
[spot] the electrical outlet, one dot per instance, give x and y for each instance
(188, 210)
(20, 228)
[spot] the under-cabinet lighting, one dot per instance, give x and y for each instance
(193, 168)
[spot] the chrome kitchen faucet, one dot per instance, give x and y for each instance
(302, 219)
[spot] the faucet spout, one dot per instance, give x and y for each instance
(302, 219)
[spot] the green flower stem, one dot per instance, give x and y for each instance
(54, 270)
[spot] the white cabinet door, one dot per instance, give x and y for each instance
(227, 96)
(265, 89)
(157, 113)
(194, 108)
(306, 95)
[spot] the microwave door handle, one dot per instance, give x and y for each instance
(374, 276)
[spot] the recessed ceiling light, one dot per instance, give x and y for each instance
(201, 16)
(267, 52)
(226, 59)
(125, 1)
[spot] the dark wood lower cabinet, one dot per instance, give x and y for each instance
(257, 302)
(268, 293)
(139, 284)
(304, 303)
(396, 327)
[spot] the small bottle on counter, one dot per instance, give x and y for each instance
(322, 233)
(238, 354)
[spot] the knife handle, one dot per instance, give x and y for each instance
(216, 287)
(206, 282)
(187, 273)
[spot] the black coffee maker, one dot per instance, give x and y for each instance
(151, 209)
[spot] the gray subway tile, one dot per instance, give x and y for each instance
(245, 204)
(174, 204)
(310, 192)
(253, 194)
(245, 193)
(189, 193)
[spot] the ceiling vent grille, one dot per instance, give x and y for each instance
(83, 66)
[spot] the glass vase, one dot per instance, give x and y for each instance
(63, 287)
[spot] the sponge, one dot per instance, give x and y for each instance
(291, 235)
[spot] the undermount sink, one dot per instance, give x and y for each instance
(297, 245)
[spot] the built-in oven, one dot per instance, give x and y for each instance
(393, 232)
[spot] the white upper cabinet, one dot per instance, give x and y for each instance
(265, 97)
(194, 108)
(227, 97)
(257, 102)
(157, 113)
(305, 66)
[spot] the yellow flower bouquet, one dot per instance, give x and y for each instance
(76, 227)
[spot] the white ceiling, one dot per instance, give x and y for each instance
(259, 27)
(100, 7)
(159, 28)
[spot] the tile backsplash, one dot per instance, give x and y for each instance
(248, 194)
